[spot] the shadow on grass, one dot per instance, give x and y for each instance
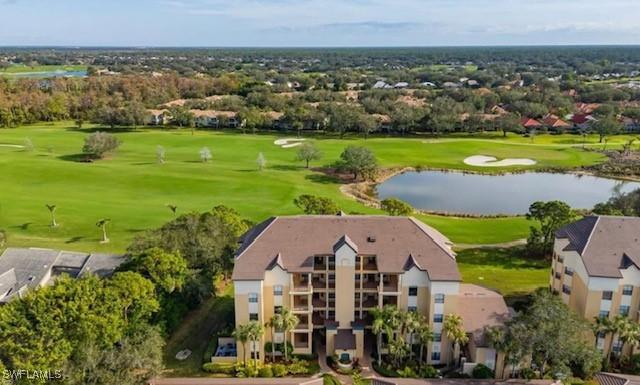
(24, 226)
(78, 158)
(286, 167)
(74, 239)
(506, 258)
(322, 178)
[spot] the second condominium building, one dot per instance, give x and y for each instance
(596, 269)
(332, 270)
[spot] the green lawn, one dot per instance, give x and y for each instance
(504, 270)
(196, 332)
(21, 69)
(133, 190)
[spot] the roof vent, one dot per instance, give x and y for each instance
(371, 238)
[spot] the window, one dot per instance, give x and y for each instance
(568, 271)
(603, 314)
(607, 295)
(413, 291)
(437, 337)
(566, 289)
(253, 316)
(277, 290)
(560, 259)
(435, 356)
(332, 295)
(439, 298)
(602, 334)
(357, 277)
(558, 275)
(412, 308)
(253, 298)
(623, 310)
(437, 318)
(332, 314)
(627, 290)
(617, 347)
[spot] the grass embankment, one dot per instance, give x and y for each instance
(506, 270)
(132, 189)
(196, 333)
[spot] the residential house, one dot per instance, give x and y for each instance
(332, 270)
(384, 122)
(381, 84)
(401, 85)
(530, 124)
(157, 117)
(216, 119)
(26, 269)
(596, 269)
(629, 125)
(581, 121)
(554, 123)
(498, 110)
(586, 108)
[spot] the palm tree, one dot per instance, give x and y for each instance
(52, 211)
(378, 327)
(241, 334)
(289, 322)
(425, 335)
(629, 334)
(601, 325)
(102, 223)
(454, 330)
(412, 323)
(255, 332)
(275, 323)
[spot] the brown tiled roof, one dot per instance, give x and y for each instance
(213, 113)
(605, 243)
(297, 239)
(479, 308)
(345, 339)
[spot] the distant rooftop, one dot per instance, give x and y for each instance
(28, 268)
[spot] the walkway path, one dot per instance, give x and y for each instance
(463, 246)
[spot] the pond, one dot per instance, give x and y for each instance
(457, 192)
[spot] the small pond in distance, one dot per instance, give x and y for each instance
(457, 192)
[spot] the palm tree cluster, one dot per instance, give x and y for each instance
(622, 328)
(282, 322)
(249, 333)
(403, 331)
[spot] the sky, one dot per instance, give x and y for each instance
(295, 23)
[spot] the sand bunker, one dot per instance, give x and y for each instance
(490, 161)
(11, 145)
(289, 142)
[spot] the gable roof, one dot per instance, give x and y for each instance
(297, 239)
(480, 308)
(530, 122)
(605, 243)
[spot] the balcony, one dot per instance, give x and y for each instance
(301, 305)
(319, 303)
(300, 284)
(318, 283)
(390, 284)
(319, 263)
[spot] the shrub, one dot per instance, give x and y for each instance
(265, 372)
(99, 143)
(328, 379)
(219, 368)
(630, 364)
(429, 372)
(384, 371)
(297, 368)
(407, 372)
(482, 372)
(279, 370)
(527, 373)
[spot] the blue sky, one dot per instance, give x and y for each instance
(318, 22)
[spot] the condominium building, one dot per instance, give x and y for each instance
(596, 268)
(332, 270)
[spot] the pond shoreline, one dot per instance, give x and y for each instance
(364, 191)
